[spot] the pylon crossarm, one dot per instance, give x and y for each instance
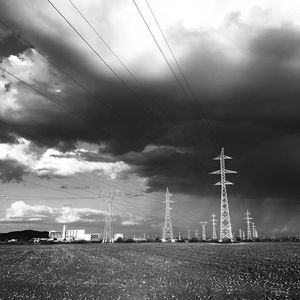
(230, 172)
(225, 183)
(215, 172)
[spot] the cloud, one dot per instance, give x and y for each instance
(52, 162)
(20, 211)
(79, 215)
(241, 58)
(23, 212)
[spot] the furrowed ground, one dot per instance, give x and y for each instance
(150, 271)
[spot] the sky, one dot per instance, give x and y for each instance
(136, 96)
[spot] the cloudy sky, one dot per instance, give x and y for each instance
(92, 100)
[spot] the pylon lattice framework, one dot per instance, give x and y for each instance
(225, 223)
(203, 230)
(107, 234)
(167, 234)
(189, 233)
(249, 236)
(214, 223)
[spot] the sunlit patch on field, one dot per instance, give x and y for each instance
(150, 271)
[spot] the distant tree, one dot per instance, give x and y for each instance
(130, 240)
(119, 240)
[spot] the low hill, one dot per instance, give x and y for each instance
(24, 235)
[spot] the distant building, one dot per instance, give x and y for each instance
(95, 237)
(55, 235)
(75, 234)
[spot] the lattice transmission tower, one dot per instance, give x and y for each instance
(189, 233)
(107, 234)
(249, 235)
(203, 224)
(254, 231)
(167, 234)
(214, 223)
(225, 223)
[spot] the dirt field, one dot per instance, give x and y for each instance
(150, 271)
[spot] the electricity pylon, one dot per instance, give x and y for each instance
(196, 233)
(107, 235)
(240, 233)
(179, 236)
(243, 238)
(214, 223)
(203, 224)
(189, 233)
(254, 231)
(225, 224)
(249, 237)
(167, 234)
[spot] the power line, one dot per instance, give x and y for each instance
(125, 85)
(160, 49)
(78, 83)
(192, 94)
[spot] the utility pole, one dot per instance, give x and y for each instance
(214, 223)
(203, 224)
(248, 225)
(167, 234)
(107, 235)
(189, 233)
(225, 223)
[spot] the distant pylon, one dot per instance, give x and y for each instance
(203, 224)
(240, 233)
(243, 236)
(249, 237)
(167, 234)
(214, 223)
(196, 233)
(189, 233)
(179, 236)
(225, 223)
(107, 235)
(64, 232)
(254, 231)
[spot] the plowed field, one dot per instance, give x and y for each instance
(150, 271)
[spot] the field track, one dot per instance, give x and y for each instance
(150, 271)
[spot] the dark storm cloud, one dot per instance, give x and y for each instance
(11, 171)
(252, 106)
(10, 44)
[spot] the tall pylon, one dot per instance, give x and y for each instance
(203, 224)
(196, 233)
(167, 234)
(107, 235)
(249, 236)
(214, 223)
(225, 223)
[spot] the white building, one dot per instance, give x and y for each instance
(75, 234)
(55, 235)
